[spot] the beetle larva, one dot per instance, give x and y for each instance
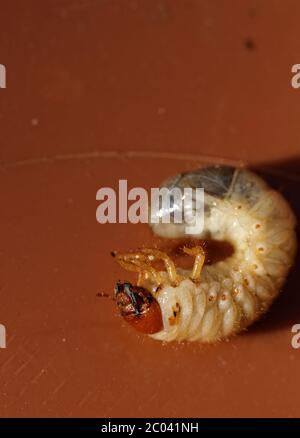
(213, 302)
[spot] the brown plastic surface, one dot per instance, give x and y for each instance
(98, 91)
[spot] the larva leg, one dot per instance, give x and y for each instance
(199, 254)
(155, 254)
(138, 262)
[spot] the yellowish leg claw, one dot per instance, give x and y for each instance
(199, 254)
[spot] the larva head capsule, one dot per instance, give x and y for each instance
(139, 308)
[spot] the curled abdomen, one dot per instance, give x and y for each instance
(213, 302)
(231, 294)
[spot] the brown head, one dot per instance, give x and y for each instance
(139, 308)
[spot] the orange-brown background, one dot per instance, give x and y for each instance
(99, 90)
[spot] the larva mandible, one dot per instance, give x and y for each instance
(213, 302)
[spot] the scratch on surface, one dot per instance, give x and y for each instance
(7, 362)
(203, 159)
(36, 378)
(85, 398)
(24, 365)
(117, 154)
(27, 361)
(50, 396)
(153, 397)
(59, 386)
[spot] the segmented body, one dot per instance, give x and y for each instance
(242, 209)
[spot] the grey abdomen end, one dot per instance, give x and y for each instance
(220, 182)
(216, 181)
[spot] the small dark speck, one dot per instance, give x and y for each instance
(249, 44)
